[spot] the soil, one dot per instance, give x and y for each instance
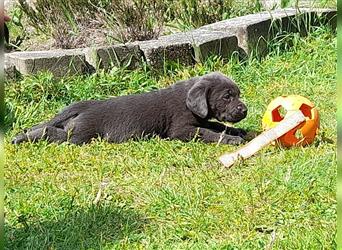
(88, 36)
(93, 35)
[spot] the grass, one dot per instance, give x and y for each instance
(162, 194)
(81, 23)
(84, 23)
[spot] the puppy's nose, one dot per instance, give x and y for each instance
(242, 109)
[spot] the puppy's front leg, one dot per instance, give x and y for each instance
(219, 127)
(206, 135)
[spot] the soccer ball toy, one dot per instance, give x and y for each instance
(281, 107)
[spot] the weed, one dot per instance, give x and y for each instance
(195, 13)
(60, 19)
(137, 19)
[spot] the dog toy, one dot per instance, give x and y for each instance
(283, 106)
(262, 140)
(290, 120)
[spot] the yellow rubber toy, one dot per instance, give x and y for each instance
(283, 106)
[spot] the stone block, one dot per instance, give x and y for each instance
(121, 55)
(58, 62)
(320, 17)
(188, 47)
(166, 49)
(10, 71)
(255, 30)
(208, 43)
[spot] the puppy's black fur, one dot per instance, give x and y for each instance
(180, 111)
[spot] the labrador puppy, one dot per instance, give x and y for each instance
(181, 111)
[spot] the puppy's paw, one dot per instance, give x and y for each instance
(233, 140)
(241, 132)
(238, 140)
(236, 132)
(246, 135)
(250, 135)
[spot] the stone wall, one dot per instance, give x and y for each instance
(239, 36)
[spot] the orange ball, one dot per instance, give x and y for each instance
(283, 106)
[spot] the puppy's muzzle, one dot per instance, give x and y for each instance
(239, 113)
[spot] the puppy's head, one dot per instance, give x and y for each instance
(216, 96)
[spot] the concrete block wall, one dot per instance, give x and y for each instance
(243, 35)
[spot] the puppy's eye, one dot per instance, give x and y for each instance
(226, 97)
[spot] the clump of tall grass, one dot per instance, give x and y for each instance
(136, 19)
(63, 19)
(195, 13)
(60, 19)
(128, 20)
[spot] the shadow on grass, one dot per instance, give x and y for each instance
(94, 227)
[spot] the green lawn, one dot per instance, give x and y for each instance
(161, 194)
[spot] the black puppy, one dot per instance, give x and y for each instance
(180, 111)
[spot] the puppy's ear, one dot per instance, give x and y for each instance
(196, 99)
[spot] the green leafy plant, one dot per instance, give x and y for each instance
(60, 19)
(190, 14)
(136, 19)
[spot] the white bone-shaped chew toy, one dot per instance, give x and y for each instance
(263, 139)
